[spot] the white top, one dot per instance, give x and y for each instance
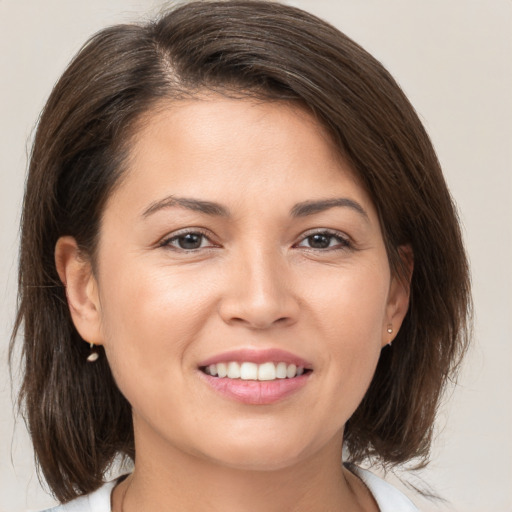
(387, 497)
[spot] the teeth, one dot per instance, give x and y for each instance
(222, 369)
(233, 370)
(248, 371)
(253, 371)
(267, 371)
(281, 370)
(291, 371)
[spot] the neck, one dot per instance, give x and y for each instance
(173, 480)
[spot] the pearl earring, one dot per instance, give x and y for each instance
(93, 356)
(390, 331)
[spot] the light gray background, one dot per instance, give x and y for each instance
(454, 60)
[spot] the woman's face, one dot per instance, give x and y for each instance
(238, 238)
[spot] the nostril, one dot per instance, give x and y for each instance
(258, 310)
(259, 323)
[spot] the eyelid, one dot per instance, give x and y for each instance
(347, 240)
(167, 239)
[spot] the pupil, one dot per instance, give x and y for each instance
(319, 241)
(190, 241)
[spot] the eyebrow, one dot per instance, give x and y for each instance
(311, 207)
(210, 208)
(197, 205)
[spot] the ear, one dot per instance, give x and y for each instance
(76, 275)
(398, 296)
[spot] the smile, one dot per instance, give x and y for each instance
(256, 377)
(267, 371)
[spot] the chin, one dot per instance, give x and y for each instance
(259, 461)
(256, 454)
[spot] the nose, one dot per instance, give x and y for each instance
(259, 292)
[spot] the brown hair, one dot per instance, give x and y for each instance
(76, 415)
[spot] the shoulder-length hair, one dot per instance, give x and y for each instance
(77, 417)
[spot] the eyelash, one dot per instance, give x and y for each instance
(343, 242)
(167, 242)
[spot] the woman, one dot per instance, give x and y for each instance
(230, 215)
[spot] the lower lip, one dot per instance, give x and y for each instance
(256, 392)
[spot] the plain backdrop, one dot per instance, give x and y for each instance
(454, 61)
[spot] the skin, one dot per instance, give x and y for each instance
(254, 282)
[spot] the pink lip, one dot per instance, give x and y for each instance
(255, 392)
(260, 356)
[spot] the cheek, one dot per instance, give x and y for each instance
(149, 319)
(350, 312)
(139, 297)
(351, 300)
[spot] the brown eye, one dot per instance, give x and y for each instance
(319, 241)
(190, 241)
(187, 241)
(325, 240)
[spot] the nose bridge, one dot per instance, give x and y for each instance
(263, 270)
(259, 293)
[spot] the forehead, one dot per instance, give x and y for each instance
(222, 147)
(209, 118)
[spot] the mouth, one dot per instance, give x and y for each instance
(247, 370)
(256, 377)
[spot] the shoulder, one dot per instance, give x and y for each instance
(388, 498)
(97, 501)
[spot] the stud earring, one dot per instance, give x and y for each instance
(390, 331)
(93, 356)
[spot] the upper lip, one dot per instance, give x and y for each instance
(257, 356)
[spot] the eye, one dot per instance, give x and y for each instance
(188, 241)
(325, 240)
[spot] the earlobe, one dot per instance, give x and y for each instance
(76, 275)
(398, 297)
